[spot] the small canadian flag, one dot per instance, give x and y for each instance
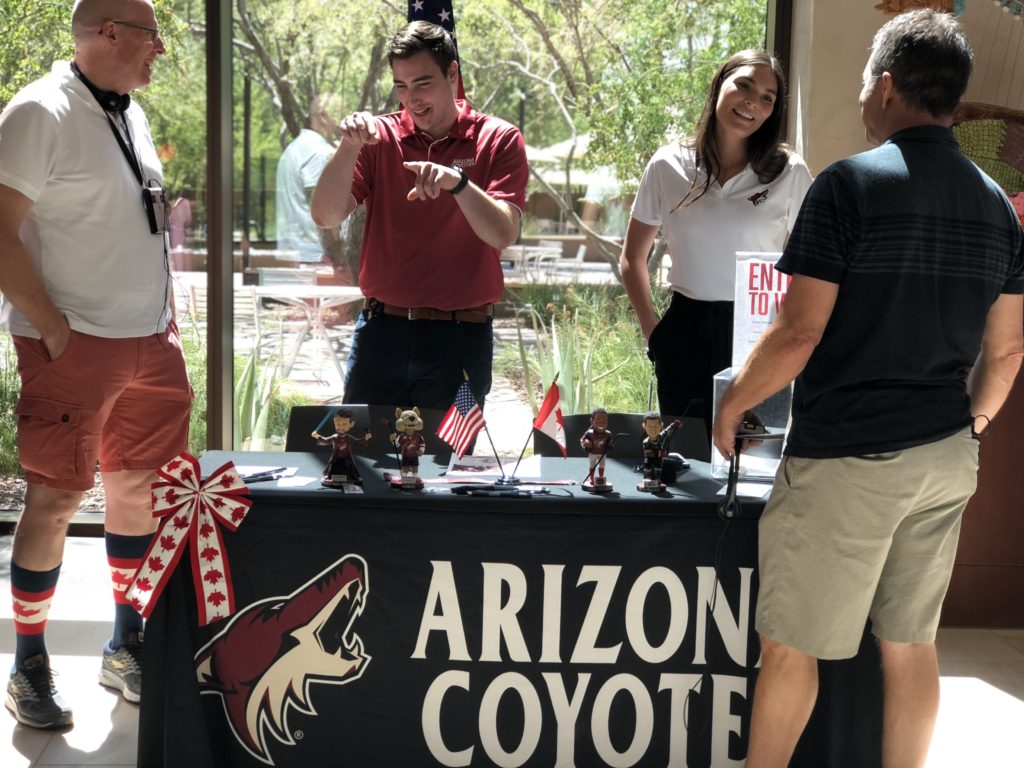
(549, 419)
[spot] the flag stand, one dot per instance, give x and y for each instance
(512, 479)
(504, 479)
(463, 423)
(548, 407)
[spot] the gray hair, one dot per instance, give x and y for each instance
(928, 57)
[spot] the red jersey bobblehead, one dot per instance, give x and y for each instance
(597, 441)
(410, 446)
(341, 469)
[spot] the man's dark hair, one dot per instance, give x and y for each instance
(344, 413)
(929, 58)
(423, 36)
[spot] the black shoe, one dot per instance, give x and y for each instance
(32, 696)
(122, 668)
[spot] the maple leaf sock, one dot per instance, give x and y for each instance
(31, 592)
(124, 555)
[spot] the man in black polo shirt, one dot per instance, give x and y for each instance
(903, 328)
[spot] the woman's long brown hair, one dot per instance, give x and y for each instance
(766, 153)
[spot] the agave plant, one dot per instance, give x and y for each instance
(556, 355)
(254, 393)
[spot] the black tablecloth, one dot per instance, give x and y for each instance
(394, 628)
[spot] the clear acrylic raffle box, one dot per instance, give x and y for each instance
(761, 462)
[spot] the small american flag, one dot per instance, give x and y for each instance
(435, 11)
(438, 12)
(462, 422)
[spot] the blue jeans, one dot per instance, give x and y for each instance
(400, 362)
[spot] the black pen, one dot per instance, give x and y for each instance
(267, 474)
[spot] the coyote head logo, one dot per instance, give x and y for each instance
(758, 197)
(271, 652)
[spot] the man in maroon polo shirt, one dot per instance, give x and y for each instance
(444, 188)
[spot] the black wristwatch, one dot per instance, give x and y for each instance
(462, 182)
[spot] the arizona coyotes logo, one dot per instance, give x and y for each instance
(758, 197)
(266, 659)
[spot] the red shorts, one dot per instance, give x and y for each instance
(125, 402)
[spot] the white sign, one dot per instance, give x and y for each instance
(760, 290)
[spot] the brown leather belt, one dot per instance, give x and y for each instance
(479, 314)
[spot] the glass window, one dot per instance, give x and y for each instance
(297, 69)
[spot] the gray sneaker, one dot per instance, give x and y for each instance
(122, 668)
(32, 696)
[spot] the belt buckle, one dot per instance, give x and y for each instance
(408, 313)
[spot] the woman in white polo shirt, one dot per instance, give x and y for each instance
(733, 186)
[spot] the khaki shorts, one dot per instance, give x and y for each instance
(873, 536)
(125, 402)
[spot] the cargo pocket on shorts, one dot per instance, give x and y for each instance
(48, 437)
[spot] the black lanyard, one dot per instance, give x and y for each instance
(129, 155)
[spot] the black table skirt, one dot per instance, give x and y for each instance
(480, 620)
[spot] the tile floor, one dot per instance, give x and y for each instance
(981, 720)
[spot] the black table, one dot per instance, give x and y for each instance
(391, 628)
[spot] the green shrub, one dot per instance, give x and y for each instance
(280, 409)
(194, 347)
(254, 389)
(590, 337)
(10, 386)
(263, 402)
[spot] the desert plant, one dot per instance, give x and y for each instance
(556, 354)
(254, 392)
(591, 338)
(193, 346)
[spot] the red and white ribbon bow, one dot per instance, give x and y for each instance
(191, 512)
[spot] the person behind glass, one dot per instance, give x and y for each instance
(444, 187)
(732, 186)
(597, 441)
(87, 300)
(298, 171)
(179, 219)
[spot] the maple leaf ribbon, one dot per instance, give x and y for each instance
(193, 513)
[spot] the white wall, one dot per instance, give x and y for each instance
(830, 48)
(998, 43)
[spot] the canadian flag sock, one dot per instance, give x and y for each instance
(32, 592)
(124, 555)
